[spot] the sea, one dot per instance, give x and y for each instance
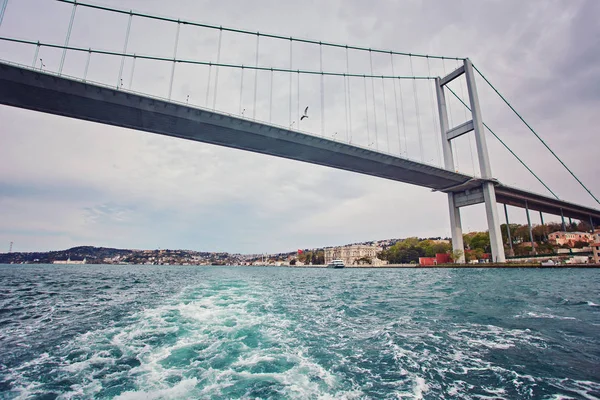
(197, 332)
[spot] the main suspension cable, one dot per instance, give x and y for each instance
(535, 133)
(505, 145)
(209, 63)
(241, 31)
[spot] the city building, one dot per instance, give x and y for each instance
(569, 238)
(440, 258)
(76, 260)
(356, 254)
(596, 248)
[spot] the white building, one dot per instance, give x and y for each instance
(352, 254)
(69, 261)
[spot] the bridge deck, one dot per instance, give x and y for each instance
(46, 92)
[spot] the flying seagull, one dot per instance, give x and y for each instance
(305, 114)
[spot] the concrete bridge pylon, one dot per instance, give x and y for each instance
(486, 192)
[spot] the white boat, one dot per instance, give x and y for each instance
(336, 264)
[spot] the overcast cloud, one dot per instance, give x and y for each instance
(66, 182)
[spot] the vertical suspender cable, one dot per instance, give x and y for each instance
(385, 115)
(396, 103)
(298, 100)
(255, 75)
(174, 58)
(62, 59)
(87, 64)
(374, 105)
(35, 55)
(290, 87)
(124, 49)
(271, 99)
(346, 105)
(403, 119)
(132, 70)
(241, 89)
(436, 137)
(2, 10)
(417, 107)
(367, 112)
(322, 90)
(349, 98)
(217, 69)
(208, 85)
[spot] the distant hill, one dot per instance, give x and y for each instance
(92, 254)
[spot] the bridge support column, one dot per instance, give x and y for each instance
(456, 229)
(489, 193)
(3, 4)
(545, 236)
(455, 224)
(510, 243)
(530, 230)
(562, 217)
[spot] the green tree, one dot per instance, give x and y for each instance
(456, 255)
(513, 231)
(481, 240)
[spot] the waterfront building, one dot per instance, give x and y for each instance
(440, 258)
(596, 248)
(354, 254)
(75, 261)
(569, 238)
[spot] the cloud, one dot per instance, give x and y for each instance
(65, 182)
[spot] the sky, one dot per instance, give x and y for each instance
(65, 182)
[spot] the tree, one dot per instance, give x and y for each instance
(481, 240)
(513, 231)
(456, 255)
(539, 233)
(319, 257)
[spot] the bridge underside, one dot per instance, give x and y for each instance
(40, 91)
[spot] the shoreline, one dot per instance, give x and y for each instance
(458, 266)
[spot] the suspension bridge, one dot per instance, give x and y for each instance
(285, 107)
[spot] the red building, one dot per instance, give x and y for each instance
(440, 258)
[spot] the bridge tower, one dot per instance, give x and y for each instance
(484, 194)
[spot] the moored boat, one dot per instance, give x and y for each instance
(336, 264)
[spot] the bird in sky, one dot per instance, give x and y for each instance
(305, 114)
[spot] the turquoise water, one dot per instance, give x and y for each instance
(152, 332)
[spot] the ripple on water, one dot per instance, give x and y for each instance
(182, 332)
